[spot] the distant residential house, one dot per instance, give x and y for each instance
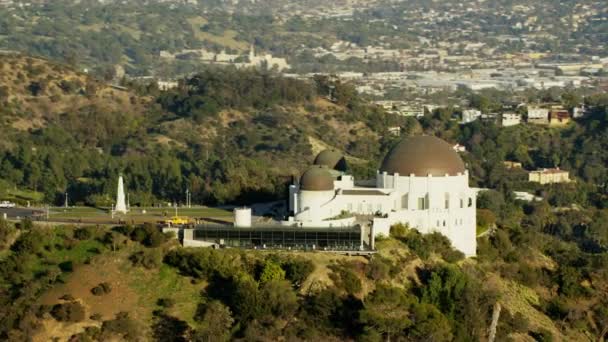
(578, 112)
(489, 117)
(549, 176)
(459, 148)
(559, 117)
(396, 131)
(512, 164)
(538, 115)
(470, 115)
(510, 119)
(525, 196)
(166, 85)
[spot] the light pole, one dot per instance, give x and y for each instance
(188, 196)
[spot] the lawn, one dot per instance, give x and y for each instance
(137, 215)
(227, 39)
(20, 196)
(152, 285)
(80, 252)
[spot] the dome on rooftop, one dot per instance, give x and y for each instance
(422, 156)
(331, 158)
(317, 178)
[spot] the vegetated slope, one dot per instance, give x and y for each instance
(134, 283)
(227, 135)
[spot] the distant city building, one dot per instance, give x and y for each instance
(512, 164)
(166, 85)
(470, 115)
(549, 176)
(510, 119)
(459, 148)
(395, 131)
(526, 196)
(559, 117)
(538, 115)
(578, 112)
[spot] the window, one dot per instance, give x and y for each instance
(447, 201)
(350, 207)
(404, 200)
(470, 202)
(370, 209)
(461, 203)
(422, 203)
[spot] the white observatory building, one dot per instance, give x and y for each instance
(422, 182)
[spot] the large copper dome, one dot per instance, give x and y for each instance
(317, 178)
(331, 158)
(422, 156)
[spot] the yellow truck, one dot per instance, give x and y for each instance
(178, 221)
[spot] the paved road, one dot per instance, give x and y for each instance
(13, 213)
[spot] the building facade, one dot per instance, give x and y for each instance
(510, 119)
(549, 176)
(422, 182)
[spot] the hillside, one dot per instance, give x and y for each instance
(216, 134)
(136, 284)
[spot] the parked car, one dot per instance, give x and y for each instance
(7, 204)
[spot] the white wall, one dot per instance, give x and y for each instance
(400, 203)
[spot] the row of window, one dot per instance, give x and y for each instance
(423, 202)
(457, 222)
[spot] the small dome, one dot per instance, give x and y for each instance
(422, 156)
(317, 178)
(331, 158)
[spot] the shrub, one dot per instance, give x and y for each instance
(148, 259)
(345, 278)
(96, 317)
(101, 289)
(378, 268)
(166, 302)
(272, 272)
(66, 266)
(148, 235)
(543, 335)
(67, 297)
(297, 270)
(122, 326)
(68, 312)
(398, 230)
(82, 234)
(26, 224)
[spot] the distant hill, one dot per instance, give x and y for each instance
(223, 133)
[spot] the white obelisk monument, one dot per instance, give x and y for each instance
(121, 205)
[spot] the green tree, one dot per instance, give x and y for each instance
(215, 324)
(272, 272)
(387, 310)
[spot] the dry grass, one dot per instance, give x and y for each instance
(227, 39)
(134, 289)
(519, 298)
